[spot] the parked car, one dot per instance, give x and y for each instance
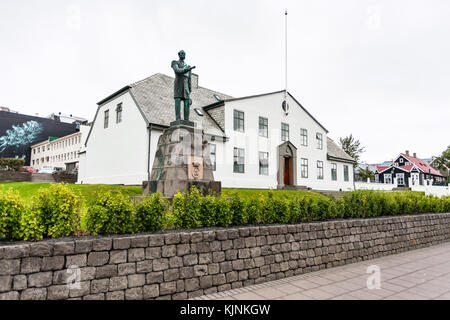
(30, 169)
(49, 169)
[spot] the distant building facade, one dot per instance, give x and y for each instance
(63, 152)
(408, 170)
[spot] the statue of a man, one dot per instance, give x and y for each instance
(182, 85)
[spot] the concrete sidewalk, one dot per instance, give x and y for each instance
(421, 274)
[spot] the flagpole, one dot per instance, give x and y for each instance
(286, 55)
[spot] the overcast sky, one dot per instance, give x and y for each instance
(377, 69)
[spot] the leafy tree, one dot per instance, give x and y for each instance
(352, 147)
(365, 174)
(443, 160)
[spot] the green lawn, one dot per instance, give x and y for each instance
(28, 189)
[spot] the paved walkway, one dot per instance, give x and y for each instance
(414, 275)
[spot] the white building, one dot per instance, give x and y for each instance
(60, 152)
(255, 143)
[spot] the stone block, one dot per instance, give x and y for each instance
(136, 280)
(106, 271)
(83, 246)
(136, 254)
(40, 279)
(79, 260)
(115, 295)
(121, 243)
(118, 256)
(118, 283)
(102, 244)
(139, 242)
(166, 288)
(192, 284)
(34, 294)
(154, 277)
(150, 291)
(41, 250)
(58, 292)
(29, 265)
(20, 282)
(5, 283)
(52, 263)
(99, 285)
(156, 240)
(96, 259)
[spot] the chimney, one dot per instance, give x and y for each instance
(407, 152)
(414, 155)
(194, 81)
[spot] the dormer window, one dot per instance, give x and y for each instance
(199, 112)
(217, 97)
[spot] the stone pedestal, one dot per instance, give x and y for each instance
(182, 159)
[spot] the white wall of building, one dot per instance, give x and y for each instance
(117, 154)
(269, 106)
(374, 186)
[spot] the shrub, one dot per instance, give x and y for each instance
(31, 225)
(207, 211)
(151, 213)
(57, 209)
(11, 209)
(11, 164)
(222, 215)
(253, 210)
(110, 213)
(237, 207)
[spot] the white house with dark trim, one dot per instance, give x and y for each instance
(255, 143)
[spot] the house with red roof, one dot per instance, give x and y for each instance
(406, 171)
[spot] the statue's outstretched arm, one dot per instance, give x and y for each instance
(179, 70)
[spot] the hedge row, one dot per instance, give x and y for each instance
(55, 211)
(11, 164)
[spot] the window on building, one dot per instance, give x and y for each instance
(284, 132)
(320, 170)
(212, 149)
(33, 162)
(334, 171)
(346, 178)
(37, 161)
(47, 159)
(263, 127)
(400, 160)
(34, 151)
(238, 121)
(264, 163)
(304, 168)
(39, 150)
(239, 160)
(304, 137)
(400, 178)
(119, 113)
(106, 122)
(319, 141)
(48, 147)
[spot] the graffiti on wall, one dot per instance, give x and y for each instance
(20, 136)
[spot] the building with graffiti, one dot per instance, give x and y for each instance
(18, 132)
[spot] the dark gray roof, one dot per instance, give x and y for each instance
(335, 152)
(154, 96)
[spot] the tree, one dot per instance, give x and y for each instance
(443, 160)
(365, 174)
(352, 147)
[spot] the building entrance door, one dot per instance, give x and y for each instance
(287, 171)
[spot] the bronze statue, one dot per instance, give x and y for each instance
(182, 85)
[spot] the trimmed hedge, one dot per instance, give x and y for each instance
(11, 164)
(55, 211)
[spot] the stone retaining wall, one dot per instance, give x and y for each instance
(14, 176)
(180, 265)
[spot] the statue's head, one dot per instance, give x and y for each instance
(182, 54)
